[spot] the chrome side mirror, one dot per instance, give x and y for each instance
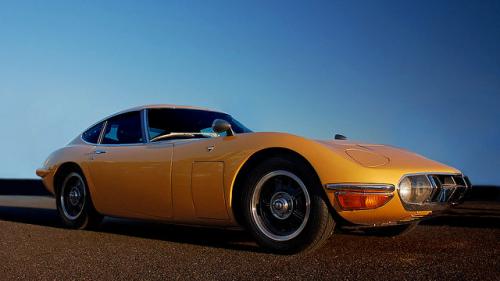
(220, 126)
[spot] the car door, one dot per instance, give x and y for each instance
(198, 161)
(131, 176)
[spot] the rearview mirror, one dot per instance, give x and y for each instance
(220, 126)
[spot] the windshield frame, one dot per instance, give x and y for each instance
(237, 126)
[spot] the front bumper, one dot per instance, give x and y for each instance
(42, 172)
(448, 190)
(47, 176)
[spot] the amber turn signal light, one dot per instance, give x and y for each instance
(361, 201)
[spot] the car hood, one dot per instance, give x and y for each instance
(385, 157)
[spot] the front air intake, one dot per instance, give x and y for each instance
(447, 188)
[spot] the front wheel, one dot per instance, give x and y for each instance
(284, 207)
(74, 203)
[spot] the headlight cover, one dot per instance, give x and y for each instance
(415, 189)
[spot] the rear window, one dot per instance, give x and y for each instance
(92, 134)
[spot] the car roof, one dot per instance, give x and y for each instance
(153, 106)
(170, 106)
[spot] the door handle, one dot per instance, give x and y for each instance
(99, 151)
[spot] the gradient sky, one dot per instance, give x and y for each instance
(423, 75)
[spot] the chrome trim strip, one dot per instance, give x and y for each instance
(175, 141)
(361, 187)
(434, 185)
(429, 174)
(119, 144)
(101, 135)
(145, 125)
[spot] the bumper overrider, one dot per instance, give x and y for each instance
(416, 192)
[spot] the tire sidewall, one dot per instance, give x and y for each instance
(83, 219)
(318, 206)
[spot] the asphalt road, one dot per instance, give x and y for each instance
(464, 245)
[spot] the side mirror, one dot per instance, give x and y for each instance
(340, 137)
(220, 126)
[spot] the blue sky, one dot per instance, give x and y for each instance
(423, 75)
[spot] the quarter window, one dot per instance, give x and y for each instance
(92, 134)
(124, 129)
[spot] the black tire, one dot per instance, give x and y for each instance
(275, 196)
(74, 204)
(391, 231)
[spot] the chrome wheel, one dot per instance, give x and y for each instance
(280, 205)
(72, 196)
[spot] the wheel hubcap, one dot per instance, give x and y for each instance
(280, 205)
(72, 196)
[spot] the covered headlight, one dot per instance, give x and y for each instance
(415, 189)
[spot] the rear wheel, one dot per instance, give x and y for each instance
(74, 203)
(284, 207)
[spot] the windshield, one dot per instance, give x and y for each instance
(198, 123)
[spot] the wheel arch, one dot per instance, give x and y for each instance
(254, 160)
(63, 170)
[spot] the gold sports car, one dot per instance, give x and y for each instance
(195, 166)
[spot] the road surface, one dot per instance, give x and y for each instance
(465, 245)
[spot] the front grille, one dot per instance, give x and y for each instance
(447, 188)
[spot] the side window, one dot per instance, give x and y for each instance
(124, 129)
(160, 122)
(191, 121)
(92, 134)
